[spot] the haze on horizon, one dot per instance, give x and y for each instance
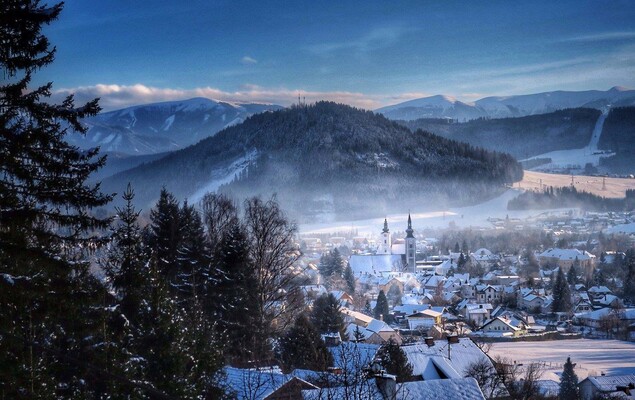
(359, 53)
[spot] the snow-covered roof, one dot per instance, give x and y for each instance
(353, 357)
(446, 389)
(254, 384)
(609, 383)
(461, 355)
(567, 254)
(374, 264)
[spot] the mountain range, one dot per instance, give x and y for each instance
(324, 161)
(161, 127)
(441, 106)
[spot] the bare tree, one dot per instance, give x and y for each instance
(274, 256)
(219, 214)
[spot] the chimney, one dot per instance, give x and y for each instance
(387, 386)
(429, 341)
(453, 339)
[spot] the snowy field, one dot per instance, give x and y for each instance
(608, 187)
(592, 357)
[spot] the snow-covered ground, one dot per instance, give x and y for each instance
(461, 217)
(591, 356)
(577, 158)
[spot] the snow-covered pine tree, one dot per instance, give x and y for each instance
(568, 382)
(193, 255)
(45, 203)
(233, 304)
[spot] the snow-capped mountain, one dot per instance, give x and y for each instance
(160, 127)
(507, 106)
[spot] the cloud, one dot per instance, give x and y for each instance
(248, 60)
(113, 96)
(376, 38)
(601, 37)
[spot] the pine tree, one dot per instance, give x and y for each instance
(165, 235)
(46, 227)
(302, 347)
(568, 382)
(572, 274)
(381, 310)
(233, 304)
(326, 314)
(349, 277)
(561, 294)
(394, 360)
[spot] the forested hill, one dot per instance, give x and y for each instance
(326, 158)
(618, 136)
(522, 137)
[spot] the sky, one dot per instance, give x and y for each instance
(364, 53)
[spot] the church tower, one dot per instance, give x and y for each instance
(385, 247)
(411, 248)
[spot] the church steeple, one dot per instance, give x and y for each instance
(411, 248)
(385, 230)
(409, 231)
(385, 246)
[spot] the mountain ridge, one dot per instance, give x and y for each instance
(324, 158)
(507, 106)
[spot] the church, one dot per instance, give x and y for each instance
(391, 256)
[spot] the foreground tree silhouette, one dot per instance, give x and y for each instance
(45, 226)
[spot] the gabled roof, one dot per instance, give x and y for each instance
(254, 384)
(446, 389)
(610, 383)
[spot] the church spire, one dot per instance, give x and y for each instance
(385, 230)
(409, 231)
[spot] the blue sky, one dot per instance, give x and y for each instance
(365, 53)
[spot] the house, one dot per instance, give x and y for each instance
(598, 386)
(424, 319)
(504, 326)
(345, 299)
(564, 258)
(479, 313)
(386, 284)
(484, 258)
(361, 327)
(263, 384)
(488, 293)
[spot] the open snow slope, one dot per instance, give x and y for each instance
(592, 356)
(577, 158)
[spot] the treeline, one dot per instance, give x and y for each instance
(522, 137)
(618, 135)
(567, 197)
(180, 298)
(306, 151)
